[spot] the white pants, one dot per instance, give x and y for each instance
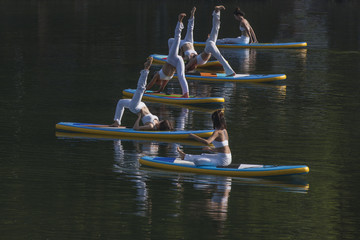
(189, 37)
(134, 104)
(206, 159)
(175, 60)
(210, 46)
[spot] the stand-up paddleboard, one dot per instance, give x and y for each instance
(221, 77)
(238, 170)
(256, 45)
(161, 59)
(116, 131)
(175, 98)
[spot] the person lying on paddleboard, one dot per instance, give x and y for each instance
(173, 63)
(150, 121)
(211, 48)
(220, 140)
(187, 50)
(247, 32)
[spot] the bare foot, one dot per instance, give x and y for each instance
(148, 63)
(220, 7)
(181, 16)
(231, 75)
(181, 153)
(185, 95)
(115, 124)
(193, 12)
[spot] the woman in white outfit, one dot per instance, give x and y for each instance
(221, 155)
(187, 50)
(173, 63)
(247, 32)
(211, 48)
(150, 121)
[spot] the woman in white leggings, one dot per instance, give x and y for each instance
(150, 121)
(221, 155)
(187, 50)
(173, 63)
(211, 48)
(247, 32)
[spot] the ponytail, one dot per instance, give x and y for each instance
(218, 119)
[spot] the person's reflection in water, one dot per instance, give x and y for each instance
(130, 163)
(182, 119)
(180, 124)
(219, 187)
(247, 59)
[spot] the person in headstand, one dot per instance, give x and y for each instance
(247, 32)
(150, 121)
(174, 62)
(221, 155)
(211, 48)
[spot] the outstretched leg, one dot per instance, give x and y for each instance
(134, 104)
(141, 87)
(211, 42)
(216, 23)
(175, 60)
(189, 37)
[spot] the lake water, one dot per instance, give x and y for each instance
(70, 61)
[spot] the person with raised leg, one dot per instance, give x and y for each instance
(136, 106)
(211, 48)
(174, 62)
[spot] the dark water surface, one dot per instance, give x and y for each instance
(70, 61)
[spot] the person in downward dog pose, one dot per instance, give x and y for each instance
(150, 121)
(247, 32)
(220, 140)
(211, 48)
(173, 63)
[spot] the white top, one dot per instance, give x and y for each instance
(150, 118)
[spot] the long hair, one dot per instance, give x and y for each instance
(239, 12)
(218, 119)
(165, 125)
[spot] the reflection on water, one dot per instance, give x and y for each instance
(70, 60)
(219, 187)
(216, 190)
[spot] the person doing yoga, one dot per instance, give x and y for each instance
(187, 50)
(150, 121)
(220, 140)
(211, 48)
(247, 32)
(174, 62)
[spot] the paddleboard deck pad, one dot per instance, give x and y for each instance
(128, 132)
(257, 45)
(238, 170)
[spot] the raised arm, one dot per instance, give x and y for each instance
(136, 124)
(153, 81)
(253, 36)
